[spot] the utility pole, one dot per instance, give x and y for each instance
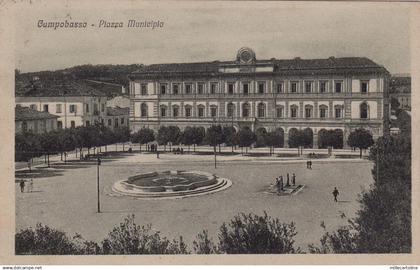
(97, 182)
(215, 156)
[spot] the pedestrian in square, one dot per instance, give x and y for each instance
(335, 194)
(293, 179)
(22, 185)
(31, 185)
(287, 183)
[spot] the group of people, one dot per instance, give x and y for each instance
(309, 164)
(280, 182)
(30, 185)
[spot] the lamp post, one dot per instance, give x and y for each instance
(97, 182)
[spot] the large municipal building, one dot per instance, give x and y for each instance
(319, 94)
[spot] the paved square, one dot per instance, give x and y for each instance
(66, 197)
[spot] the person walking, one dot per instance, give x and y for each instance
(22, 185)
(335, 194)
(293, 179)
(31, 185)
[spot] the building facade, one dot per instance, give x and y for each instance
(400, 89)
(27, 119)
(319, 94)
(75, 104)
(116, 117)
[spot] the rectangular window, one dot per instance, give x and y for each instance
(293, 112)
(59, 124)
(308, 87)
(279, 111)
(337, 112)
(175, 89)
(102, 107)
(231, 88)
(322, 113)
(33, 107)
(109, 122)
(338, 87)
(200, 88)
(308, 112)
(261, 88)
(200, 112)
(87, 108)
(175, 111)
(45, 108)
(364, 86)
(213, 111)
(279, 88)
(144, 89)
(58, 108)
(323, 87)
(72, 124)
(72, 108)
(87, 123)
(245, 88)
(163, 89)
(95, 108)
(188, 89)
(163, 112)
(293, 87)
(122, 121)
(188, 111)
(213, 88)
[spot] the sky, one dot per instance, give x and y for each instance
(209, 31)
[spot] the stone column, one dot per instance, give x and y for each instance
(286, 138)
(315, 139)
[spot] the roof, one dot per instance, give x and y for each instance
(116, 111)
(286, 65)
(26, 113)
(110, 89)
(52, 89)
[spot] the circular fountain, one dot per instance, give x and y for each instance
(170, 184)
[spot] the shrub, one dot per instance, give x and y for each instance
(253, 234)
(130, 238)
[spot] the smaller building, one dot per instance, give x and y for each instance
(116, 117)
(27, 119)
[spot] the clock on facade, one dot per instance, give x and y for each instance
(245, 55)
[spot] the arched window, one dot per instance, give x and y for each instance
(143, 110)
(323, 111)
(308, 111)
(261, 110)
(364, 111)
(163, 111)
(230, 109)
(245, 109)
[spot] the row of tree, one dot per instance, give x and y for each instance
(29, 145)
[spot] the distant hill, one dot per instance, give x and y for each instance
(109, 74)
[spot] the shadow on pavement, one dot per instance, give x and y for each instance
(38, 173)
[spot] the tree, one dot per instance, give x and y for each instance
(187, 137)
(273, 139)
(163, 136)
(261, 137)
(50, 143)
(229, 134)
(199, 134)
(395, 104)
(253, 234)
(122, 135)
(360, 138)
(298, 139)
(330, 139)
(245, 138)
(174, 136)
(214, 135)
(383, 223)
(144, 135)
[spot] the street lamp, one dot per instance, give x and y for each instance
(97, 182)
